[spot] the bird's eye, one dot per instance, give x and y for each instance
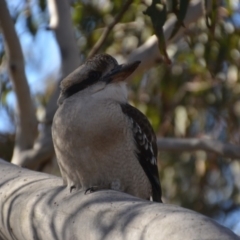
(95, 75)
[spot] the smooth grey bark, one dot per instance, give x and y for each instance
(35, 205)
(61, 24)
(26, 122)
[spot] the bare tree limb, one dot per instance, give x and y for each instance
(26, 119)
(193, 144)
(36, 206)
(61, 24)
(109, 28)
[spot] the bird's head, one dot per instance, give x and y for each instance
(96, 73)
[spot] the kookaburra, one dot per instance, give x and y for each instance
(102, 142)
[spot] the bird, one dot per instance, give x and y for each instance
(100, 140)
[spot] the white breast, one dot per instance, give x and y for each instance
(94, 143)
(114, 91)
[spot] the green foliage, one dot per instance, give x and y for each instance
(158, 14)
(157, 11)
(180, 10)
(31, 25)
(42, 5)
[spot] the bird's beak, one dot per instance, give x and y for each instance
(121, 72)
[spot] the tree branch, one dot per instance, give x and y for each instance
(193, 144)
(61, 24)
(26, 119)
(109, 28)
(36, 206)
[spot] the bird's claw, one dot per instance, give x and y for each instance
(91, 190)
(72, 188)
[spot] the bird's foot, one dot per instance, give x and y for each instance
(91, 189)
(72, 188)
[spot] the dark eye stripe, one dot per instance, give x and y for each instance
(93, 77)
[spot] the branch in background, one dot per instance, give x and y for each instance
(108, 29)
(36, 206)
(26, 119)
(61, 24)
(149, 53)
(193, 144)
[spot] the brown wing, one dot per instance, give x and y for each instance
(145, 140)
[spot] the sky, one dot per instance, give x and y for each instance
(41, 54)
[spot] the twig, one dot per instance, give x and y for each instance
(108, 29)
(192, 144)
